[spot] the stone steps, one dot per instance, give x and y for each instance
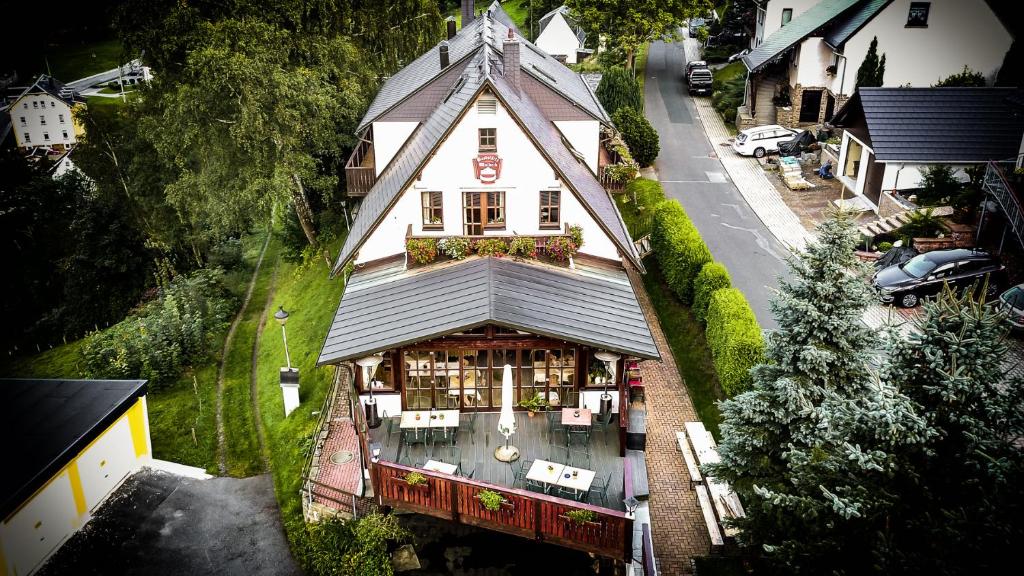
(896, 221)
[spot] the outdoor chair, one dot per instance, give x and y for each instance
(579, 436)
(476, 472)
(567, 493)
(558, 453)
(469, 425)
(555, 426)
(394, 426)
(602, 424)
(450, 455)
(580, 459)
(519, 472)
(600, 488)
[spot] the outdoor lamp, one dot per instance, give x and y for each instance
(369, 365)
(289, 375)
(631, 504)
(282, 317)
(609, 358)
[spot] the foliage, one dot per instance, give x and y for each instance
(491, 247)
(734, 338)
(490, 499)
(712, 276)
(922, 224)
(534, 403)
(681, 250)
(938, 185)
(421, 250)
(967, 78)
(415, 479)
(561, 248)
(872, 70)
(812, 448)
(581, 516)
(166, 335)
(702, 34)
(638, 134)
(598, 369)
(355, 547)
(523, 247)
(626, 169)
(454, 247)
(575, 232)
(884, 246)
(618, 89)
(226, 254)
(727, 90)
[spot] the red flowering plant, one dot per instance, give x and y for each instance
(523, 247)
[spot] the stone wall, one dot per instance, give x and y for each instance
(744, 119)
(796, 95)
(784, 116)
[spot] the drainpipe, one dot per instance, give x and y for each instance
(842, 79)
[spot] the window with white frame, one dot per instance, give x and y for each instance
(42, 120)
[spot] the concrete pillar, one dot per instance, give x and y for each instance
(290, 389)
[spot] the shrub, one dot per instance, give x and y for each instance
(421, 250)
(734, 338)
(713, 276)
(922, 224)
(638, 134)
(561, 248)
(884, 246)
(576, 235)
(226, 254)
(967, 78)
(680, 249)
(360, 546)
(455, 247)
(727, 96)
(491, 247)
(618, 89)
(523, 247)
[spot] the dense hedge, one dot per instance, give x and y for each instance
(680, 249)
(734, 338)
(712, 276)
(638, 134)
(164, 336)
(618, 88)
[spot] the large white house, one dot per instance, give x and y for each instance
(42, 116)
(561, 36)
(805, 57)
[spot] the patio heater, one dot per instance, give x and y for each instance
(369, 365)
(507, 419)
(289, 375)
(609, 358)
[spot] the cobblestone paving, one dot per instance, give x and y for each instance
(677, 527)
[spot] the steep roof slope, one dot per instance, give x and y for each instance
(796, 30)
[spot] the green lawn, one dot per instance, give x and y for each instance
(103, 103)
(73, 62)
(60, 362)
(730, 71)
(517, 10)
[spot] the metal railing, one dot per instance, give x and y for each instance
(996, 184)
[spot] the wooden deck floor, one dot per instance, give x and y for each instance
(533, 441)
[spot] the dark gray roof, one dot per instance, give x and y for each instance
(581, 35)
(47, 423)
(849, 24)
(469, 40)
(50, 85)
(389, 307)
(799, 28)
(938, 124)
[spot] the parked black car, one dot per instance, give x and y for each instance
(700, 81)
(923, 275)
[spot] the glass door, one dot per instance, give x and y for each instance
(473, 218)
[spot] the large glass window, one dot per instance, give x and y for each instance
(550, 208)
(483, 210)
(418, 379)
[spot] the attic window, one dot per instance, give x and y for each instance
(488, 106)
(918, 15)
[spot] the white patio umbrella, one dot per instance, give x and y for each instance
(507, 419)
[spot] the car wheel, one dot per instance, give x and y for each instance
(909, 300)
(759, 153)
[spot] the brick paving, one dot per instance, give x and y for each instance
(339, 434)
(677, 526)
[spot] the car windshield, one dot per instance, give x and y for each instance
(918, 266)
(1014, 297)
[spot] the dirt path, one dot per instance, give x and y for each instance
(221, 441)
(253, 370)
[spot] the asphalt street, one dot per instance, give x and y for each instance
(690, 172)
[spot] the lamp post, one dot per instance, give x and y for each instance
(369, 365)
(609, 358)
(289, 375)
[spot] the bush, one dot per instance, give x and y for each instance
(164, 336)
(884, 246)
(618, 89)
(561, 248)
(455, 247)
(421, 250)
(226, 255)
(523, 247)
(727, 96)
(575, 232)
(680, 249)
(360, 546)
(638, 134)
(713, 276)
(491, 247)
(734, 338)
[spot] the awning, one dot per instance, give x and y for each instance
(385, 308)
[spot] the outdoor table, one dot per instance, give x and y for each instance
(569, 417)
(442, 467)
(580, 482)
(545, 472)
(441, 419)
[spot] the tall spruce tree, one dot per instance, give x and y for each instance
(809, 447)
(872, 70)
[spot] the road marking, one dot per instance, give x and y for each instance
(691, 182)
(716, 177)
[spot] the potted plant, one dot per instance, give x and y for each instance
(493, 501)
(523, 247)
(415, 480)
(581, 517)
(455, 247)
(491, 247)
(533, 404)
(421, 250)
(561, 248)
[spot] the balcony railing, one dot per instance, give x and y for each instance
(998, 186)
(361, 169)
(524, 513)
(608, 182)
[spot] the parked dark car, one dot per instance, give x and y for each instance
(1011, 303)
(691, 66)
(700, 81)
(923, 275)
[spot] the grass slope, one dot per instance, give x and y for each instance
(74, 62)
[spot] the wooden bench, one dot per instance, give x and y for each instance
(721, 498)
(637, 466)
(709, 516)
(689, 460)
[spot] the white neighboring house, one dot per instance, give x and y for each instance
(815, 56)
(42, 116)
(561, 36)
(774, 14)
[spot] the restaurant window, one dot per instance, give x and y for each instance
(787, 16)
(549, 373)
(433, 212)
(483, 210)
(917, 17)
(550, 208)
(382, 379)
(454, 378)
(419, 367)
(488, 139)
(598, 374)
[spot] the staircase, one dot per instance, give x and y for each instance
(995, 184)
(896, 221)
(764, 111)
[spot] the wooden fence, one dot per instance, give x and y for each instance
(522, 513)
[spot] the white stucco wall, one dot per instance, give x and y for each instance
(814, 56)
(38, 116)
(959, 32)
(585, 137)
(773, 16)
(559, 39)
(388, 137)
(524, 173)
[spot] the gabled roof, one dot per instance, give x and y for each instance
(49, 85)
(935, 125)
(848, 25)
(490, 28)
(581, 35)
(795, 31)
(390, 307)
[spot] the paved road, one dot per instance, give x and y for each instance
(691, 173)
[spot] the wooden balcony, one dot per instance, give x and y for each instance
(608, 183)
(361, 169)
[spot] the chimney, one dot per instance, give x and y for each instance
(510, 58)
(467, 12)
(450, 23)
(443, 51)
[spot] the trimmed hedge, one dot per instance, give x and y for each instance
(680, 249)
(638, 134)
(712, 276)
(618, 88)
(734, 338)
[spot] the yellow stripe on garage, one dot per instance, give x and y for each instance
(137, 423)
(76, 487)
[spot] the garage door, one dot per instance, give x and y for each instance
(104, 464)
(39, 527)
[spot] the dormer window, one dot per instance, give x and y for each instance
(488, 139)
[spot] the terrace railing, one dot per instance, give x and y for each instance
(523, 513)
(359, 178)
(999, 187)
